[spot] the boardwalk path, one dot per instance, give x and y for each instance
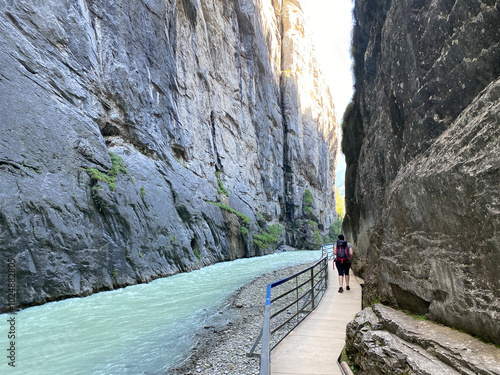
(314, 346)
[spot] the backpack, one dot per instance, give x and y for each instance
(342, 251)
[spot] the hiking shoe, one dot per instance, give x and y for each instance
(347, 287)
(341, 290)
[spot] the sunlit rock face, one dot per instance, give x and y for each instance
(422, 147)
(192, 97)
(311, 136)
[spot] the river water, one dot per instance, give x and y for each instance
(140, 329)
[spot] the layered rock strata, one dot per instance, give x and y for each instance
(381, 340)
(423, 160)
(146, 138)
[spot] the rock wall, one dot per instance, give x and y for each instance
(122, 125)
(381, 340)
(422, 148)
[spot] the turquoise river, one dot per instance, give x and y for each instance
(140, 329)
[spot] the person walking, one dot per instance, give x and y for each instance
(343, 252)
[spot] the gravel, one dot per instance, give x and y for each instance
(223, 346)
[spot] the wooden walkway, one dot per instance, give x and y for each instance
(314, 346)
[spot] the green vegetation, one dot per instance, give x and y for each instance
(110, 176)
(317, 244)
(114, 273)
(335, 229)
(345, 358)
(143, 191)
(415, 316)
(307, 203)
(275, 229)
(220, 186)
(318, 237)
(196, 253)
(181, 162)
(307, 199)
(243, 231)
(221, 189)
(269, 237)
(245, 218)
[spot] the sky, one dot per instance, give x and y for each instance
(331, 23)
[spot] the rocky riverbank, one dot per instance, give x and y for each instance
(223, 346)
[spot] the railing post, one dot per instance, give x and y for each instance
(297, 296)
(312, 287)
(326, 273)
(265, 353)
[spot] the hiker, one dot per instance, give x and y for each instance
(343, 253)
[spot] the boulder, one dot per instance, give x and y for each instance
(381, 340)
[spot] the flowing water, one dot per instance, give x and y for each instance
(141, 329)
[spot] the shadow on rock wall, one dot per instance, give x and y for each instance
(422, 140)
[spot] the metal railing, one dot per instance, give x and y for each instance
(297, 296)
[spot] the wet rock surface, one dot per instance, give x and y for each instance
(381, 340)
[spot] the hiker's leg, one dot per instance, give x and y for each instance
(340, 270)
(346, 273)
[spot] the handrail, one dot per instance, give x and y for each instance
(316, 284)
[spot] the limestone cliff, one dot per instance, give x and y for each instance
(422, 147)
(150, 137)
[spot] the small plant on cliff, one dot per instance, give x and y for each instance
(269, 237)
(181, 162)
(110, 176)
(196, 253)
(143, 191)
(307, 199)
(220, 186)
(243, 231)
(246, 220)
(307, 203)
(415, 316)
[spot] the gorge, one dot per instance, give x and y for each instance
(147, 138)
